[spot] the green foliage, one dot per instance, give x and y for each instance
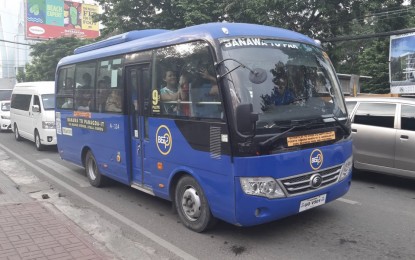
(45, 57)
(374, 62)
(315, 18)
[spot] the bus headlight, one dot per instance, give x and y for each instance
(48, 124)
(346, 168)
(5, 117)
(262, 186)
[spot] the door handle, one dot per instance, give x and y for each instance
(404, 137)
(354, 130)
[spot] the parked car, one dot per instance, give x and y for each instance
(32, 112)
(5, 115)
(383, 132)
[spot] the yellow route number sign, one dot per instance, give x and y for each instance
(311, 138)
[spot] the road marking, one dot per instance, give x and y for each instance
(145, 232)
(65, 172)
(349, 201)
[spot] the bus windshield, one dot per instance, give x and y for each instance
(300, 82)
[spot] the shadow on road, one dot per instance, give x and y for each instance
(384, 179)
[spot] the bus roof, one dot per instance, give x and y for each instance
(208, 32)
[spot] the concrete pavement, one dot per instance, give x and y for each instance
(31, 229)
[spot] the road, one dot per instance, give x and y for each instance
(375, 220)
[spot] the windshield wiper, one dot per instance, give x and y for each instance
(274, 138)
(256, 75)
(345, 129)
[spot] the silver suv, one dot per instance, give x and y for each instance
(383, 131)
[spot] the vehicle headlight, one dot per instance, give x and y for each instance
(5, 117)
(48, 124)
(262, 186)
(346, 168)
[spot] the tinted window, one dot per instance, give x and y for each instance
(375, 114)
(5, 94)
(20, 101)
(408, 118)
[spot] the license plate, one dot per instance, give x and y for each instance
(312, 202)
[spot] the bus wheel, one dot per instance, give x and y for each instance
(192, 206)
(16, 133)
(92, 172)
(38, 143)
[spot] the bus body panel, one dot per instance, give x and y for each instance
(291, 163)
(215, 175)
(108, 144)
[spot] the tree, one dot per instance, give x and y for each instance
(311, 17)
(46, 56)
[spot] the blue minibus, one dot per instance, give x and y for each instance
(236, 122)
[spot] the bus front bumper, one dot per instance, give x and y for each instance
(254, 210)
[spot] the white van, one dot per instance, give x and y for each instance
(32, 112)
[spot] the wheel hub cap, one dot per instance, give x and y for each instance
(191, 204)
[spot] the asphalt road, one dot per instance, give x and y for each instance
(375, 220)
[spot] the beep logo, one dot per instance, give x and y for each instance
(316, 159)
(164, 140)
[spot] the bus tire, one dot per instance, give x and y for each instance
(38, 142)
(16, 133)
(92, 172)
(192, 206)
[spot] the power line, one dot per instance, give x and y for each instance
(367, 36)
(1, 40)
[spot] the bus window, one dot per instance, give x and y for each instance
(109, 91)
(186, 81)
(65, 88)
(85, 82)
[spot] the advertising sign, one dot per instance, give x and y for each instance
(402, 64)
(48, 19)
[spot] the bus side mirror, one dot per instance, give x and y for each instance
(35, 108)
(246, 119)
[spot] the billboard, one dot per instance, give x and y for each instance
(48, 19)
(402, 64)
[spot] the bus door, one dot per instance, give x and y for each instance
(137, 76)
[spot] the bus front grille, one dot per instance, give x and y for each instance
(299, 184)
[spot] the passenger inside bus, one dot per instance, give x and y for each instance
(84, 103)
(87, 79)
(103, 92)
(205, 95)
(114, 102)
(170, 92)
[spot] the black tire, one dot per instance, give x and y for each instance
(16, 133)
(38, 142)
(192, 206)
(92, 171)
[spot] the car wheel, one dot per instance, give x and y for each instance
(192, 206)
(92, 171)
(38, 142)
(16, 133)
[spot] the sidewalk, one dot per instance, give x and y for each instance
(32, 229)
